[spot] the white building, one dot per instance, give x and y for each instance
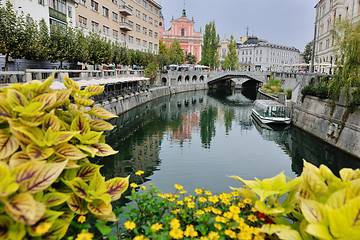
(260, 55)
(52, 11)
(327, 13)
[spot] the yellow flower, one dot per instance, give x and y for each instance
(208, 193)
(42, 228)
(156, 227)
(252, 218)
(213, 236)
(200, 212)
(247, 201)
(183, 192)
(203, 238)
(171, 199)
(175, 223)
(143, 187)
(133, 185)
(190, 204)
(178, 187)
(139, 172)
(241, 205)
(199, 191)
(230, 233)
(216, 211)
(180, 202)
(82, 219)
(84, 236)
(176, 196)
(228, 215)
(235, 193)
(202, 199)
(234, 209)
(130, 225)
(140, 237)
(151, 184)
(217, 226)
(261, 236)
(176, 211)
(190, 231)
(187, 199)
(214, 199)
(176, 233)
(161, 195)
(244, 235)
(253, 209)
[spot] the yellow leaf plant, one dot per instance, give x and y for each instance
(315, 205)
(45, 173)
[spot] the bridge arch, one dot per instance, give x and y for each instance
(179, 79)
(187, 78)
(164, 81)
(194, 78)
(201, 78)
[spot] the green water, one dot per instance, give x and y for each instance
(198, 139)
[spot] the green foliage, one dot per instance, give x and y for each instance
(176, 53)
(151, 72)
(308, 52)
(163, 56)
(191, 59)
(288, 93)
(316, 205)
(45, 145)
(319, 89)
(273, 87)
(99, 49)
(231, 59)
(209, 49)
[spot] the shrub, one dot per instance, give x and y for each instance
(317, 204)
(45, 145)
(288, 93)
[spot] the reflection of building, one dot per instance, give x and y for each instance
(183, 30)
(255, 54)
(146, 153)
(188, 125)
(328, 12)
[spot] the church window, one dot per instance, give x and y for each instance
(182, 32)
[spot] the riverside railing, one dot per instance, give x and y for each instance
(7, 77)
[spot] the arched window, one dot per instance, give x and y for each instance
(182, 32)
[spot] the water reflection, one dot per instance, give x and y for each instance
(198, 138)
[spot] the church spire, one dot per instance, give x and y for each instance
(184, 11)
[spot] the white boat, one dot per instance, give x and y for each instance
(269, 112)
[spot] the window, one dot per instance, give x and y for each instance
(115, 16)
(150, 33)
(144, 17)
(144, 30)
(138, 13)
(144, 4)
(94, 6)
(114, 1)
(42, 2)
(156, 23)
(150, 7)
(145, 43)
(156, 35)
(70, 11)
(95, 26)
(123, 37)
(105, 12)
(137, 27)
(138, 41)
(156, 12)
(58, 5)
(105, 30)
(155, 46)
(150, 46)
(182, 32)
(150, 20)
(131, 39)
(82, 2)
(115, 34)
(82, 22)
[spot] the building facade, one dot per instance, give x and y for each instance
(54, 12)
(134, 22)
(183, 30)
(260, 55)
(329, 12)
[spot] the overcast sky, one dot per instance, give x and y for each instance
(286, 22)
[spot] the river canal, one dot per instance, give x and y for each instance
(198, 139)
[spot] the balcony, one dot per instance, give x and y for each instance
(126, 26)
(126, 10)
(57, 15)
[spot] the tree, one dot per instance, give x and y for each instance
(43, 43)
(99, 49)
(11, 31)
(163, 55)
(191, 59)
(60, 43)
(151, 72)
(308, 52)
(176, 53)
(209, 53)
(231, 59)
(78, 50)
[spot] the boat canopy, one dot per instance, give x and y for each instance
(270, 108)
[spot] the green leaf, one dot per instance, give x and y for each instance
(79, 124)
(116, 187)
(101, 113)
(104, 149)
(69, 151)
(88, 171)
(76, 205)
(8, 145)
(55, 198)
(319, 231)
(15, 98)
(79, 187)
(103, 229)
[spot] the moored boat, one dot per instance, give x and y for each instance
(269, 112)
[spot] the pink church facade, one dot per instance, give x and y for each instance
(183, 30)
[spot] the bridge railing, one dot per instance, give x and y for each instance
(7, 77)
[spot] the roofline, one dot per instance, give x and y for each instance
(156, 4)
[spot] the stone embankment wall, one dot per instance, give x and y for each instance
(313, 116)
(123, 104)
